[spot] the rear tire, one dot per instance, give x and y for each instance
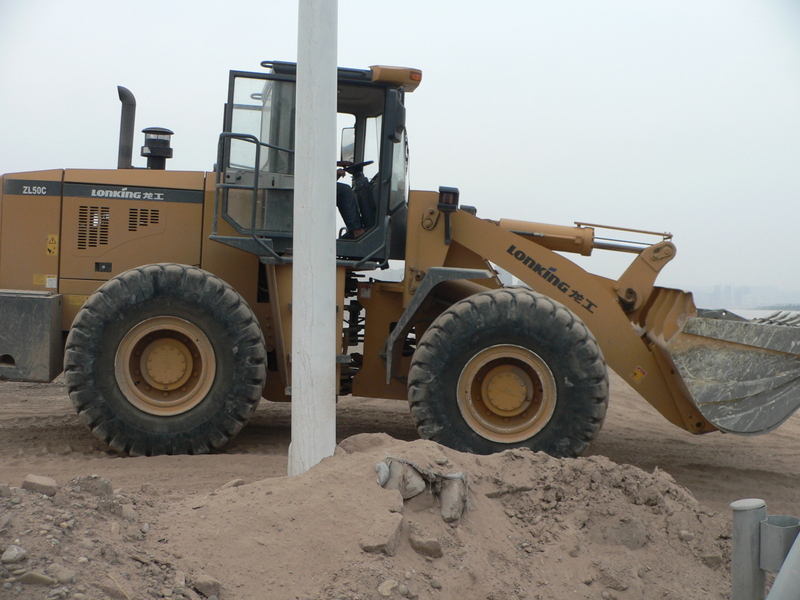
(509, 368)
(165, 359)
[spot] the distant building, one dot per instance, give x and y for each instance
(732, 297)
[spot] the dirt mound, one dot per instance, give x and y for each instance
(533, 527)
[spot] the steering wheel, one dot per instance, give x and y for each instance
(357, 167)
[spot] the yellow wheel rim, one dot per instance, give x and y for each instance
(506, 393)
(165, 366)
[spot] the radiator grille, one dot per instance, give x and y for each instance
(93, 226)
(142, 217)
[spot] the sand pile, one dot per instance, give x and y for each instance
(533, 527)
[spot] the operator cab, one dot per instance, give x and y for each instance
(255, 173)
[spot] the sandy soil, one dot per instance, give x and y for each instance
(40, 433)
(203, 523)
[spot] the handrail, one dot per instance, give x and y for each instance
(385, 244)
(245, 137)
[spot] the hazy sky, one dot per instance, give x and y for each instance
(667, 115)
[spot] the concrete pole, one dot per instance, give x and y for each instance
(314, 385)
(747, 578)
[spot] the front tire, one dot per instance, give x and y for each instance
(509, 368)
(165, 359)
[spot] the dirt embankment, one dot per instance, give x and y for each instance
(645, 515)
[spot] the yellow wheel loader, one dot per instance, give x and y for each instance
(165, 297)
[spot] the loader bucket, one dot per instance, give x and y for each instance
(743, 376)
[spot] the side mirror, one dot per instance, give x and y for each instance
(395, 115)
(348, 152)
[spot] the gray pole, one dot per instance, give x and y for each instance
(787, 584)
(314, 347)
(747, 578)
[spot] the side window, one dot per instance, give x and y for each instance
(264, 109)
(372, 145)
(346, 125)
(398, 192)
(361, 140)
(245, 118)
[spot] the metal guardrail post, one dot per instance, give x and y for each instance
(787, 584)
(747, 578)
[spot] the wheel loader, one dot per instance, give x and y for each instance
(165, 297)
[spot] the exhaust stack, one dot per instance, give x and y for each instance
(127, 119)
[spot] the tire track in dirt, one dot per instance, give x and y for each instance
(40, 433)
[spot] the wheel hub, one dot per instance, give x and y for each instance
(507, 393)
(507, 390)
(165, 366)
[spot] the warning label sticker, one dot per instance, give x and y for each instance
(52, 245)
(48, 281)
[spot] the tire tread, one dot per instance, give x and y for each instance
(492, 309)
(134, 287)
